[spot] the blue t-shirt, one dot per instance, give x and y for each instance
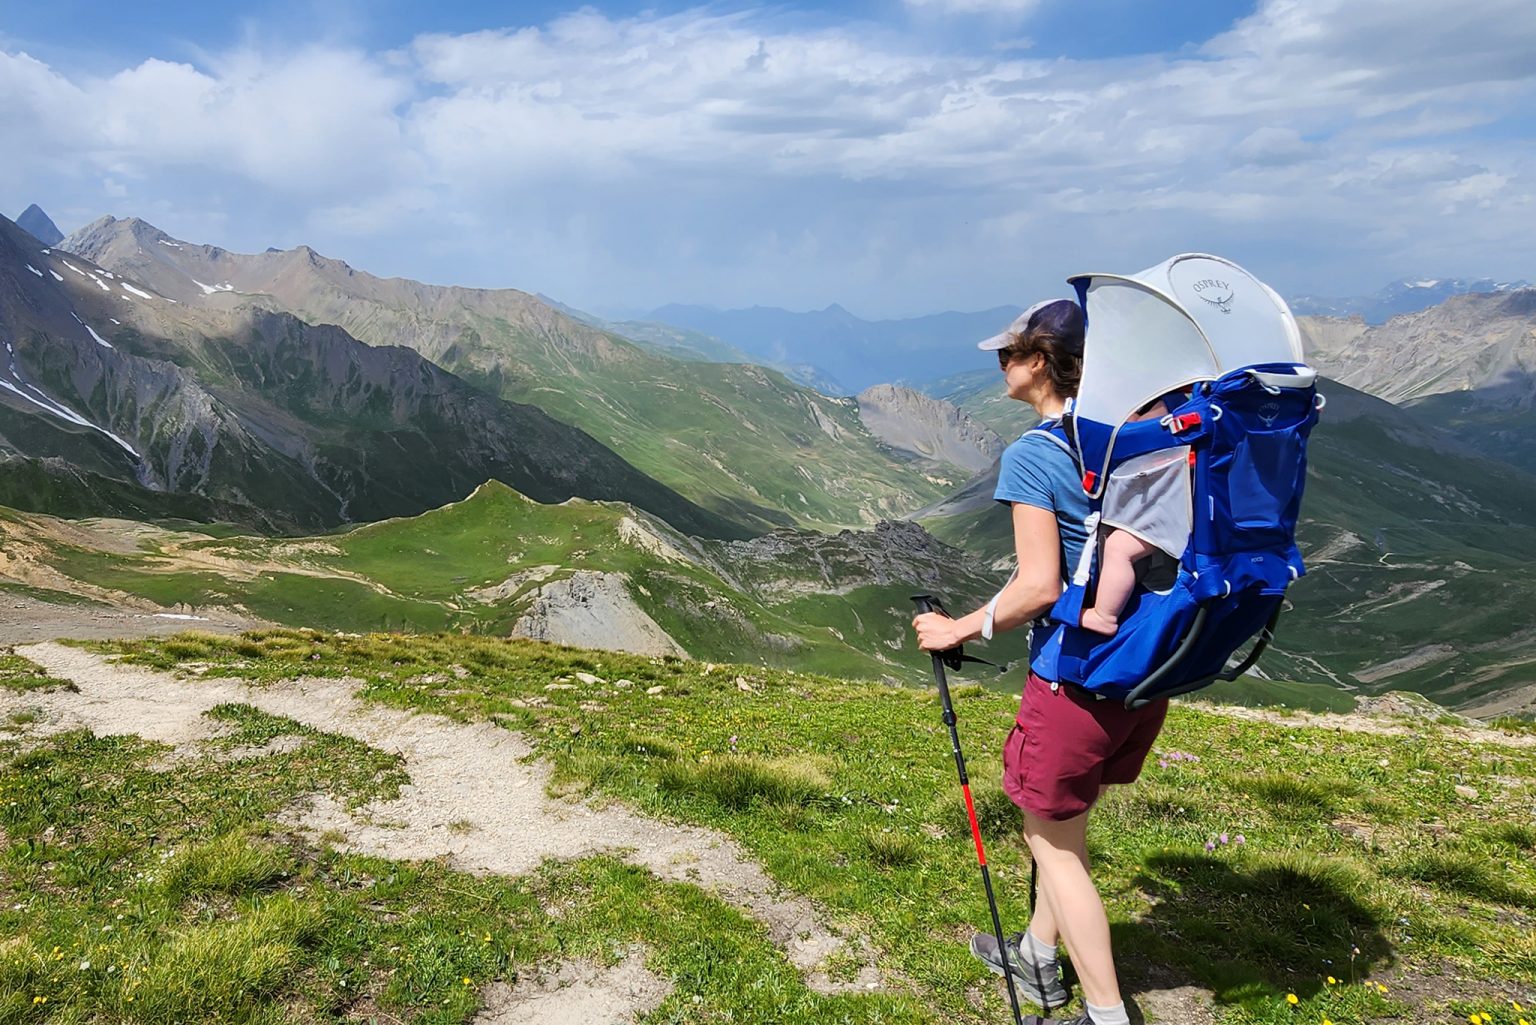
(1037, 470)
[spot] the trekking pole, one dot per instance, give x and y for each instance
(953, 656)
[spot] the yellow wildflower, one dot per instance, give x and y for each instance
(1290, 998)
(1474, 1019)
(39, 1000)
(1327, 1022)
(1516, 1006)
(1332, 981)
(468, 981)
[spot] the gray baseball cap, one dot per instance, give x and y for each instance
(1062, 317)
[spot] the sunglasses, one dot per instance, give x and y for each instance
(1006, 356)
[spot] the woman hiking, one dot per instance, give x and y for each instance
(1066, 745)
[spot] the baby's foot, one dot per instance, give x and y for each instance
(1099, 623)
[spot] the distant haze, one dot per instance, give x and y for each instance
(853, 352)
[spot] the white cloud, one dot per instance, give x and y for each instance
(1273, 146)
(736, 158)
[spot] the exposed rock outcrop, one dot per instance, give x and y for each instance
(928, 428)
(1476, 342)
(594, 610)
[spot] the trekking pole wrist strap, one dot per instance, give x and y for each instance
(991, 614)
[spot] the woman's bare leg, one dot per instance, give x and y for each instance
(1072, 908)
(1043, 923)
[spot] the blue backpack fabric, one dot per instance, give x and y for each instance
(1247, 432)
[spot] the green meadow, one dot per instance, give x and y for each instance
(1298, 873)
(435, 572)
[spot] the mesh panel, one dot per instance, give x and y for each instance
(1150, 497)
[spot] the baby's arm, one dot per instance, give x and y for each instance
(1117, 578)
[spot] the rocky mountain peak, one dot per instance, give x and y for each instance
(928, 428)
(40, 226)
(1476, 342)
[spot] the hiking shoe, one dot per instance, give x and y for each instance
(1047, 990)
(1035, 1019)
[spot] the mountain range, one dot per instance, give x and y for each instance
(1467, 365)
(160, 379)
(1406, 295)
(259, 416)
(839, 353)
(739, 440)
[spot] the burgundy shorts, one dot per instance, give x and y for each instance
(1066, 743)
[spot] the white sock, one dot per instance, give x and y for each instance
(1107, 1015)
(1040, 952)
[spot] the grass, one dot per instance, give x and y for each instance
(20, 674)
(141, 891)
(1255, 859)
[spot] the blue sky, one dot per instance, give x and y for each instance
(897, 156)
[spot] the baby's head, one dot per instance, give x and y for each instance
(1154, 410)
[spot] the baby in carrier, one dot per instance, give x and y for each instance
(1145, 526)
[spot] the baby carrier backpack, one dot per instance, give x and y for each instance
(1216, 483)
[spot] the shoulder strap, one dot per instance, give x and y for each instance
(1063, 432)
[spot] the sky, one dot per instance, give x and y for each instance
(898, 157)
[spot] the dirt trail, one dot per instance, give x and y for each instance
(474, 795)
(577, 993)
(28, 621)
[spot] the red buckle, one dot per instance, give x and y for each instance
(1180, 424)
(1089, 480)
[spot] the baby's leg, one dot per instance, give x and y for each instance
(1117, 578)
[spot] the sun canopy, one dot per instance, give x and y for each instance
(1190, 318)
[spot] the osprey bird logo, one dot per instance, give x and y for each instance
(1216, 292)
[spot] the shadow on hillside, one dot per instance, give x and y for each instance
(1286, 923)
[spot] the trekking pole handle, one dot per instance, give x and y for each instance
(928, 603)
(952, 657)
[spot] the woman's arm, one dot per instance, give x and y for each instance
(1037, 545)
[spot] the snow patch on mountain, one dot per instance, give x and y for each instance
(19, 387)
(136, 291)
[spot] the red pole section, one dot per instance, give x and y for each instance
(970, 809)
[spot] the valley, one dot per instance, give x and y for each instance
(345, 416)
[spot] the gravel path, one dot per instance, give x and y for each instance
(475, 797)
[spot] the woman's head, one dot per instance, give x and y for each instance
(1041, 352)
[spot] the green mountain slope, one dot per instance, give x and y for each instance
(499, 563)
(257, 415)
(739, 440)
